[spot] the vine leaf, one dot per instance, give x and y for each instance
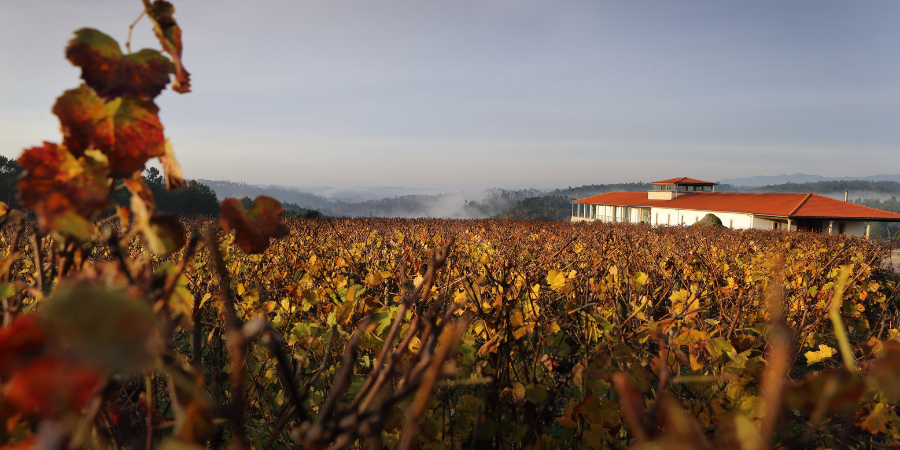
(174, 177)
(163, 234)
(824, 352)
(66, 192)
(86, 121)
(736, 431)
(142, 203)
(162, 13)
(52, 385)
(23, 337)
(877, 420)
(112, 329)
(126, 129)
(110, 73)
(254, 227)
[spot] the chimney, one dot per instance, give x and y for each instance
(846, 195)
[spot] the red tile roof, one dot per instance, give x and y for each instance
(683, 180)
(767, 204)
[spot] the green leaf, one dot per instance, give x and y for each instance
(536, 393)
(108, 327)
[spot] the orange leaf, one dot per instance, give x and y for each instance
(65, 191)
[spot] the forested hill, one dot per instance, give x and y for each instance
(823, 187)
(594, 189)
(226, 189)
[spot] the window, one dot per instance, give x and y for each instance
(840, 228)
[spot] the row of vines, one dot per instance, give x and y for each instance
(554, 335)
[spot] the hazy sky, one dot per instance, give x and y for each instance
(472, 94)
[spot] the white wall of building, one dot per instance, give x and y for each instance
(851, 227)
(673, 217)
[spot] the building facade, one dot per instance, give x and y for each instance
(685, 201)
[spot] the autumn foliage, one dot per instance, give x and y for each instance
(125, 328)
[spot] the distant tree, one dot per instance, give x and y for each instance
(887, 230)
(195, 199)
(551, 207)
(10, 171)
(299, 212)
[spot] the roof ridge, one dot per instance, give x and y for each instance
(808, 196)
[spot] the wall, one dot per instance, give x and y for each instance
(737, 220)
(851, 227)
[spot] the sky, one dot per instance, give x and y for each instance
(472, 94)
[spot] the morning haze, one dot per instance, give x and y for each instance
(467, 95)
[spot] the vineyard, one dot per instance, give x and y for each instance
(462, 334)
(126, 328)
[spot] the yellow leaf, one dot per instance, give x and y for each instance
(527, 329)
(641, 279)
(374, 278)
(683, 301)
(737, 432)
(823, 353)
(515, 319)
(553, 328)
(878, 419)
(556, 279)
(206, 297)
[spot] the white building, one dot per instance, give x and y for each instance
(684, 201)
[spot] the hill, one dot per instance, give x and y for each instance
(799, 178)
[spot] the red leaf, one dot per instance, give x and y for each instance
(50, 386)
(169, 34)
(24, 444)
(103, 67)
(85, 120)
(127, 129)
(65, 191)
(139, 135)
(253, 228)
(21, 340)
